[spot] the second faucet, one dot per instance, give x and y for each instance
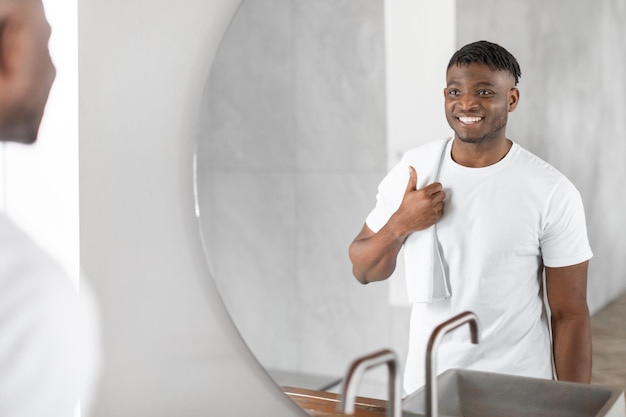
(432, 405)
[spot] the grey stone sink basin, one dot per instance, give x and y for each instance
(482, 394)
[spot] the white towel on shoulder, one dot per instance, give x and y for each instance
(425, 269)
(426, 274)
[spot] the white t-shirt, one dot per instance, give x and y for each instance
(49, 335)
(501, 224)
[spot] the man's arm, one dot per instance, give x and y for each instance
(571, 325)
(374, 255)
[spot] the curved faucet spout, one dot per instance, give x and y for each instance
(355, 373)
(432, 405)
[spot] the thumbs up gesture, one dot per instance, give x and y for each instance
(421, 208)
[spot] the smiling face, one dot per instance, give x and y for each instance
(477, 102)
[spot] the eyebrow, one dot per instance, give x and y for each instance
(475, 85)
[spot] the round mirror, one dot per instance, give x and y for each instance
(291, 149)
(293, 145)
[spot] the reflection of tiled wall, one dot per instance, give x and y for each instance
(290, 154)
(572, 110)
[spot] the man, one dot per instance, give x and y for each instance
(48, 349)
(480, 220)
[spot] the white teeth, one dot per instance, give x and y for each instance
(470, 120)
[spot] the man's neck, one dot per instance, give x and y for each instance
(480, 155)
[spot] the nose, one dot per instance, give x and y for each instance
(467, 101)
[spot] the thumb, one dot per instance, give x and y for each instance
(412, 184)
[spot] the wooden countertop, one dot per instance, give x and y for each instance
(324, 404)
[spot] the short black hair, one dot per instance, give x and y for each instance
(488, 53)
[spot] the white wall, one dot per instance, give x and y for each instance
(420, 39)
(170, 347)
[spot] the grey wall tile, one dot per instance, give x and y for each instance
(340, 94)
(249, 227)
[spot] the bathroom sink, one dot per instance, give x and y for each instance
(464, 393)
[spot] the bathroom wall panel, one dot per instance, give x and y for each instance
(339, 85)
(340, 318)
(250, 116)
(249, 229)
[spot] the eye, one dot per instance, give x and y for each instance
(453, 92)
(485, 93)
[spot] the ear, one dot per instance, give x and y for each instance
(513, 99)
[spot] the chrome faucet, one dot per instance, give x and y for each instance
(353, 378)
(432, 404)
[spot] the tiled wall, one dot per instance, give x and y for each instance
(572, 110)
(290, 153)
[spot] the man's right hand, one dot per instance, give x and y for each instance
(374, 255)
(421, 208)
